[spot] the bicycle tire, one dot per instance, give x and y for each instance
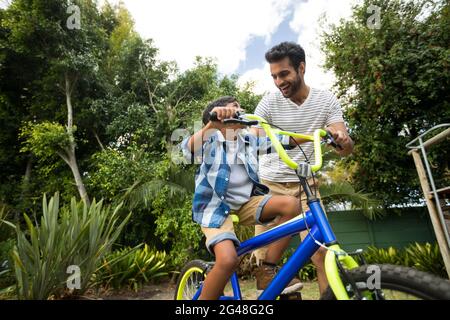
(405, 280)
(197, 267)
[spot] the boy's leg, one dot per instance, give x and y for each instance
(262, 210)
(286, 208)
(318, 259)
(226, 263)
(221, 242)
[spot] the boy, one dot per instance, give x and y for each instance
(227, 182)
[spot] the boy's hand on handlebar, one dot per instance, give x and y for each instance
(223, 113)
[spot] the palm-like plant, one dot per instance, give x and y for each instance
(336, 190)
(179, 182)
(80, 235)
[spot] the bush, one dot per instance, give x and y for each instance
(80, 235)
(425, 257)
(131, 267)
(6, 276)
(380, 255)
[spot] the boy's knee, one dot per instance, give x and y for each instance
(227, 262)
(290, 207)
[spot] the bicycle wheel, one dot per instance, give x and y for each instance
(191, 277)
(397, 283)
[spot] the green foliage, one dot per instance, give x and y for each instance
(393, 82)
(131, 267)
(381, 255)
(112, 171)
(126, 105)
(308, 272)
(44, 139)
(425, 257)
(78, 235)
(343, 192)
(6, 276)
(176, 228)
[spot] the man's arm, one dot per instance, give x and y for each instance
(340, 134)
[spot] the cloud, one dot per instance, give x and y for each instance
(260, 78)
(220, 29)
(309, 19)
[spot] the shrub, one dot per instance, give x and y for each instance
(426, 257)
(80, 235)
(131, 267)
(6, 276)
(380, 255)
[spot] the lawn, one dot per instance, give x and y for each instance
(310, 290)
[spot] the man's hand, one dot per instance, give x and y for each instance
(340, 135)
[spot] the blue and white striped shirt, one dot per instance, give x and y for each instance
(209, 207)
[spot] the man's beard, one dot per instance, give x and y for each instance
(293, 88)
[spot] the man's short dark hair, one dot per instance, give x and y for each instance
(221, 102)
(293, 51)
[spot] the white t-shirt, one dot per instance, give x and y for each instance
(240, 185)
(320, 109)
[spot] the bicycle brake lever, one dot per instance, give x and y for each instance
(330, 140)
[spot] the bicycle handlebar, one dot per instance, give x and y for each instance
(316, 138)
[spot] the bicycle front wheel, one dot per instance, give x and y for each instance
(395, 283)
(190, 279)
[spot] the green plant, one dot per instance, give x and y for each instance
(131, 267)
(390, 255)
(426, 257)
(6, 276)
(80, 235)
(308, 272)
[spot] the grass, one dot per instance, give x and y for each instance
(310, 290)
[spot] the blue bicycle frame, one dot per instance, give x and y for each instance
(320, 231)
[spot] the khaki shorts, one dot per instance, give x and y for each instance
(283, 189)
(249, 214)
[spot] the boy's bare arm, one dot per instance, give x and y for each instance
(197, 139)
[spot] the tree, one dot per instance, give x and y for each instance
(393, 82)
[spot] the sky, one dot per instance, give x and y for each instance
(237, 33)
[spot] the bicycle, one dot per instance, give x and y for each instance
(347, 278)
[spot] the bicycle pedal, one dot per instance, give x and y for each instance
(291, 296)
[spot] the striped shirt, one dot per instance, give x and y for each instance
(320, 109)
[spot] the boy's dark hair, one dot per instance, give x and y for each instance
(293, 51)
(221, 102)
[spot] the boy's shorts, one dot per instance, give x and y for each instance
(249, 214)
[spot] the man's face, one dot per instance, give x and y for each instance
(286, 78)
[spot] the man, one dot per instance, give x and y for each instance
(300, 108)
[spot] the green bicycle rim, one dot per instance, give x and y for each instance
(184, 280)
